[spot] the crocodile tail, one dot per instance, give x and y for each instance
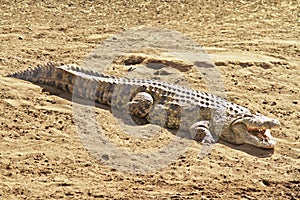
(50, 74)
(68, 78)
(38, 74)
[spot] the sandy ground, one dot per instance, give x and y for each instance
(255, 46)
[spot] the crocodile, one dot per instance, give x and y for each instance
(206, 117)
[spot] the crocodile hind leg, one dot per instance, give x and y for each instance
(201, 133)
(139, 107)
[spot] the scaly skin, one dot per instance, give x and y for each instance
(150, 101)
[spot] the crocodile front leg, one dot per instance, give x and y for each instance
(201, 133)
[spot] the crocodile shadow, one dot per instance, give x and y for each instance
(250, 149)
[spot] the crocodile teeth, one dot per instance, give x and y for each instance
(260, 130)
(259, 133)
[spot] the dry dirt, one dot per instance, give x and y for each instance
(255, 45)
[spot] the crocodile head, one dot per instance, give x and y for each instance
(252, 129)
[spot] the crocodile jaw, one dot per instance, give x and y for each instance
(254, 130)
